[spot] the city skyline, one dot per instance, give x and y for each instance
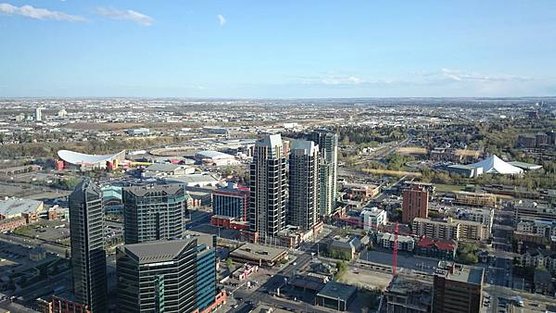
(277, 50)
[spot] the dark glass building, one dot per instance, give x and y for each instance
(154, 212)
(88, 258)
(175, 276)
(328, 169)
(303, 208)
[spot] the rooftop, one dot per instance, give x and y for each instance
(304, 147)
(334, 290)
(193, 179)
(157, 251)
(14, 206)
(405, 285)
(141, 191)
(526, 166)
(461, 273)
(163, 167)
(251, 251)
(210, 154)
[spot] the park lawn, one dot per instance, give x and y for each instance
(448, 188)
(390, 172)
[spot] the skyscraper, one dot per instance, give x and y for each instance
(38, 114)
(268, 189)
(153, 213)
(328, 169)
(303, 208)
(206, 275)
(157, 276)
(88, 258)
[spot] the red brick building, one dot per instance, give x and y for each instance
(415, 203)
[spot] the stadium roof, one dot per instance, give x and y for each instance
(77, 158)
(526, 166)
(495, 165)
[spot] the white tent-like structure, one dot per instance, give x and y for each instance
(495, 165)
(90, 160)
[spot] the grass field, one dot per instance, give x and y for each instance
(411, 150)
(448, 188)
(390, 172)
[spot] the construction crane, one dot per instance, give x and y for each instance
(395, 253)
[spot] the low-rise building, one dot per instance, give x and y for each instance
(18, 212)
(336, 296)
(258, 254)
(484, 216)
(529, 209)
(542, 283)
(440, 249)
(215, 158)
(542, 227)
(451, 229)
(407, 294)
(167, 169)
(344, 248)
(405, 243)
(373, 218)
(232, 201)
(475, 199)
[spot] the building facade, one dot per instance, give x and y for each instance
(328, 169)
(175, 276)
(415, 203)
(88, 257)
(303, 208)
(232, 201)
(450, 230)
(154, 213)
(542, 227)
(206, 276)
(268, 190)
(373, 218)
(457, 289)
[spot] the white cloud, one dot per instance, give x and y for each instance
(462, 76)
(221, 19)
(38, 13)
(126, 15)
(342, 80)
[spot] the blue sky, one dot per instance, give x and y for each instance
(277, 49)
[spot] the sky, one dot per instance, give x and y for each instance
(277, 49)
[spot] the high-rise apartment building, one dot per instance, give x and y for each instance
(88, 257)
(303, 208)
(38, 114)
(268, 189)
(415, 203)
(328, 169)
(161, 276)
(154, 212)
(457, 289)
